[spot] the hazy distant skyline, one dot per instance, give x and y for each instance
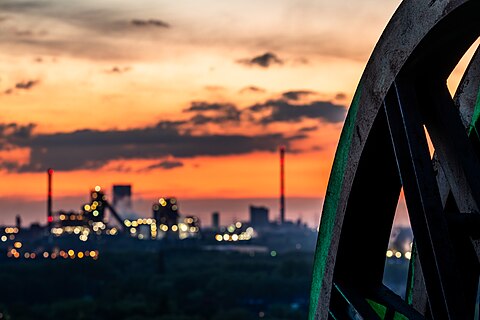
(189, 98)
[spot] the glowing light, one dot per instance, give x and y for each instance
(17, 245)
(173, 201)
(174, 228)
(389, 253)
(133, 230)
(62, 217)
(398, 255)
(96, 213)
(127, 223)
(93, 254)
(218, 237)
(238, 225)
(4, 238)
(140, 236)
(26, 255)
(408, 255)
(273, 253)
(235, 237)
(183, 227)
(50, 219)
(86, 207)
(33, 255)
(45, 255)
(97, 188)
(80, 255)
(134, 224)
(164, 227)
(226, 237)
(174, 207)
(231, 228)
(71, 252)
(162, 202)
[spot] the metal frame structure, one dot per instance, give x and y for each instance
(383, 147)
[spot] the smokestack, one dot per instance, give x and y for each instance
(49, 198)
(282, 184)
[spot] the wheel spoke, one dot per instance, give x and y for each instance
(424, 204)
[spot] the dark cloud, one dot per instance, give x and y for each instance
(14, 134)
(117, 69)
(93, 149)
(252, 89)
(26, 85)
(297, 95)
(99, 30)
(265, 60)
(213, 113)
(23, 85)
(150, 23)
(166, 165)
(308, 129)
(284, 111)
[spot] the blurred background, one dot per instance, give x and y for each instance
(169, 160)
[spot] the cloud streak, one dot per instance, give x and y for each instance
(169, 141)
(265, 60)
(282, 110)
(150, 23)
(92, 149)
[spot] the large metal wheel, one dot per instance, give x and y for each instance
(383, 147)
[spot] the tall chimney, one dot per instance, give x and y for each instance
(282, 184)
(49, 198)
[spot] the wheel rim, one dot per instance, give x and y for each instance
(382, 148)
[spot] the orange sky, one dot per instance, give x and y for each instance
(98, 80)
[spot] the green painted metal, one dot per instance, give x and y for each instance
(331, 204)
(379, 309)
(475, 116)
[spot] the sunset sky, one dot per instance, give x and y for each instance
(189, 98)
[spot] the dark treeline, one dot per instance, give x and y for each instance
(183, 285)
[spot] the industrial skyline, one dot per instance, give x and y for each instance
(201, 102)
